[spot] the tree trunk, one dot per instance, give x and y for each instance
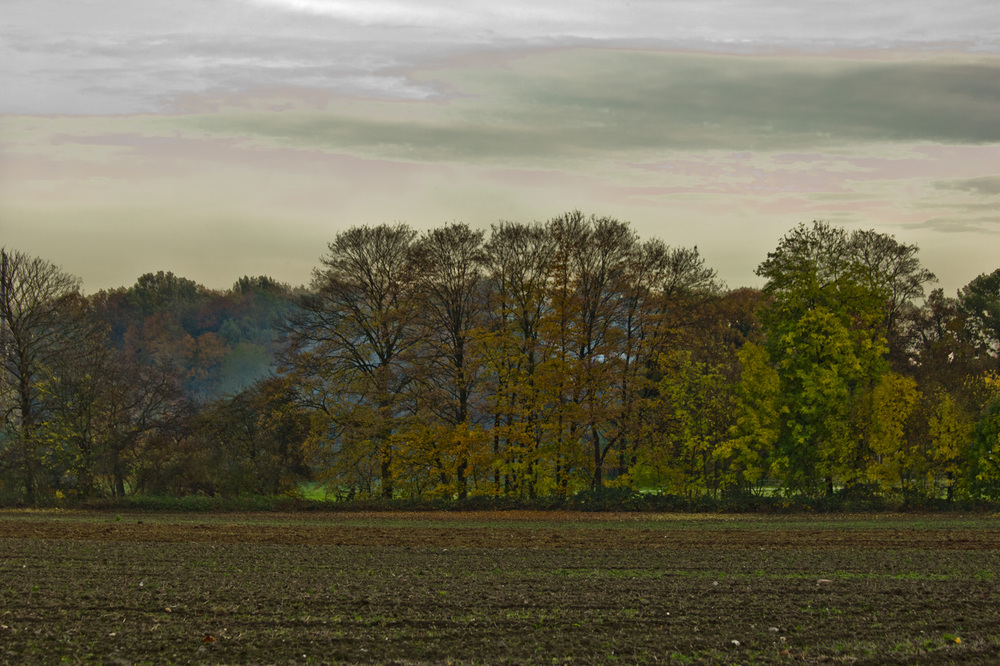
(27, 440)
(119, 474)
(460, 479)
(387, 489)
(598, 482)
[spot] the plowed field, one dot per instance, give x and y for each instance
(496, 588)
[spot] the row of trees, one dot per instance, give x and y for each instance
(539, 359)
(553, 357)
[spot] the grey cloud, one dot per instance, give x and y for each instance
(585, 102)
(983, 225)
(54, 54)
(47, 67)
(758, 101)
(984, 185)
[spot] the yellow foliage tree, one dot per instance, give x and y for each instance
(894, 459)
(746, 453)
(950, 434)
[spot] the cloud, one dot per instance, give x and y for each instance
(108, 56)
(714, 122)
(984, 185)
(578, 103)
(773, 22)
(983, 225)
(139, 73)
(372, 11)
(484, 19)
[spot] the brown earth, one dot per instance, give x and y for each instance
(417, 535)
(96, 588)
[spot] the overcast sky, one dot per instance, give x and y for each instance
(217, 139)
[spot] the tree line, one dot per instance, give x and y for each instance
(533, 360)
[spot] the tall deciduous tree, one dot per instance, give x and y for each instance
(896, 462)
(136, 403)
(696, 415)
(819, 370)
(663, 291)
(949, 434)
(892, 270)
(821, 319)
(349, 344)
(39, 324)
(748, 452)
(518, 264)
(596, 254)
(451, 304)
(941, 355)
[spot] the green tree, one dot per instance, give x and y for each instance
(821, 318)
(818, 370)
(696, 409)
(949, 431)
(979, 302)
(985, 446)
(747, 452)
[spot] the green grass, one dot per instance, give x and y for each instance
(312, 491)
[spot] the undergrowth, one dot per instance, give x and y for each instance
(606, 500)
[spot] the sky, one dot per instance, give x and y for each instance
(237, 137)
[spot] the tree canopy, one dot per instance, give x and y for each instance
(529, 360)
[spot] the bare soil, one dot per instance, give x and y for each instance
(532, 588)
